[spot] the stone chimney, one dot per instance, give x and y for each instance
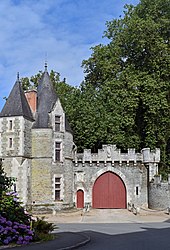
(31, 96)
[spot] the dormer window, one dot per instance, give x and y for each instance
(57, 123)
(10, 125)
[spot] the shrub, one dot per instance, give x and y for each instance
(42, 229)
(5, 182)
(11, 208)
(14, 232)
(14, 221)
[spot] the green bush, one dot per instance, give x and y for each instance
(42, 229)
(11, 208)
(5, 182)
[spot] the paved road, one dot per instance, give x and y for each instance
(109, 230)
(123, 236)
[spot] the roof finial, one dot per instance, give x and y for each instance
(45, 66)
(46, 62)
(18, 76)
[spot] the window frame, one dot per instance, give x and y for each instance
(57, 123)
(57, 151)
(57, 190)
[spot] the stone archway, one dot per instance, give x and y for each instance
(109, 191)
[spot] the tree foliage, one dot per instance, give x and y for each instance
(125, 97)
(5, 181)
(131, 76)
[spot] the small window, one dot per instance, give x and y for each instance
(57, 123)
(137, 190)
(57, 185)
(57, 151)
(57, 179)
(57, 195)
(10, 125)
(10, 142)
(57, 188)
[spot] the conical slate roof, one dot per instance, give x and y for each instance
(46, 99)
(16, 104)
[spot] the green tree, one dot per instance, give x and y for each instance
(125, 97)
(131, 75)
(5, 182)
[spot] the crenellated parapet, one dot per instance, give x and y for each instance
(151, 156)
(110, 153)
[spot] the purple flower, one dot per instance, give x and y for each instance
(6, 242)
(9, 238)
(2, 220)
(9, 193)
(9, 223)
(8, 229)
(16, 223)
(30, 232)
(20, 238)
(22, 226)
(27, 238)
(14, 231)
(25, 242)
(19, 242)
(1, 230)
(13, 193)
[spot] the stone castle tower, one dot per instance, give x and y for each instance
(36, 145)
(37, 148)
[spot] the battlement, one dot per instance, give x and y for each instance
(110, 153)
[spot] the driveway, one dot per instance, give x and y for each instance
(107, 216)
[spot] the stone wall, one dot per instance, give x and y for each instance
(15, 134)
(159, 194)
(41, 179)
(27, 138)
(64, 170)
(128, 166)
(16, 159)
(133, 176)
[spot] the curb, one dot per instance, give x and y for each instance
(87, 240)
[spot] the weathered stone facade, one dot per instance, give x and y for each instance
(42, 156)
(159, 193)
(128, 166)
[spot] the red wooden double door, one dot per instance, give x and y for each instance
(109, 191)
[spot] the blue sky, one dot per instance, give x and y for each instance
(64, 30)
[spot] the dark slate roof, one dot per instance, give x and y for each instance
(46, 99)
(16, 104)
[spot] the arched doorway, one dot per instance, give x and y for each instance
(80, 198)
(109, 191)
